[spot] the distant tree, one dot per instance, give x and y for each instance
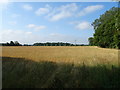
(91, 41)
(7, 44)
(53, 44)
(27, 45)
(12, 43)
(16, 43)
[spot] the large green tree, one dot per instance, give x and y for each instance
(107, 29)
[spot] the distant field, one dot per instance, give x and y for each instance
(59, 67)
(78, 55)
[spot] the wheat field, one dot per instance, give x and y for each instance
(59, 67)
(89, 55)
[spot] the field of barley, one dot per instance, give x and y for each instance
(60, 67)
(78, 55)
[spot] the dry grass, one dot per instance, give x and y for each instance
(90, 55)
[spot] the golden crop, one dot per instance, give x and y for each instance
(89, 55)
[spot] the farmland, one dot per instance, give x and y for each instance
(59, 66)
(77, 55)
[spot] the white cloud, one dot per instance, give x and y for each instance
(27, 7)
(31, 25)
(35, 27)
(29, 33)
(90, 9)
(63, 11)
(12, 22)
(40, 27)
(84, 25)
(58, 37)
(15, 35)
(44, 10)
(31, 37)
(41, 11)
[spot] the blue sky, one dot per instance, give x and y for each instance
(51, 21)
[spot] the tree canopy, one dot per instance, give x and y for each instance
(107, 29)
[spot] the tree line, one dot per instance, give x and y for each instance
(107, 30)
(16, 43)
(53, 44)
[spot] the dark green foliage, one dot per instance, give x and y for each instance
(22, 73)
(57, 44)
(91, 41)
(107, 29)
(12, 43)
(16, 43)
(53, 44)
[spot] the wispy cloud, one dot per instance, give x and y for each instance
(40, 27)
(84, 25)
(42, 11)
(90, 9)
(31, 25)
(62, 12)
(36, 27)
(65, 11)
(27, 7)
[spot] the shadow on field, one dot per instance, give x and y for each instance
(22, 73)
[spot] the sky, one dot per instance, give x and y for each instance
(30, 22)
